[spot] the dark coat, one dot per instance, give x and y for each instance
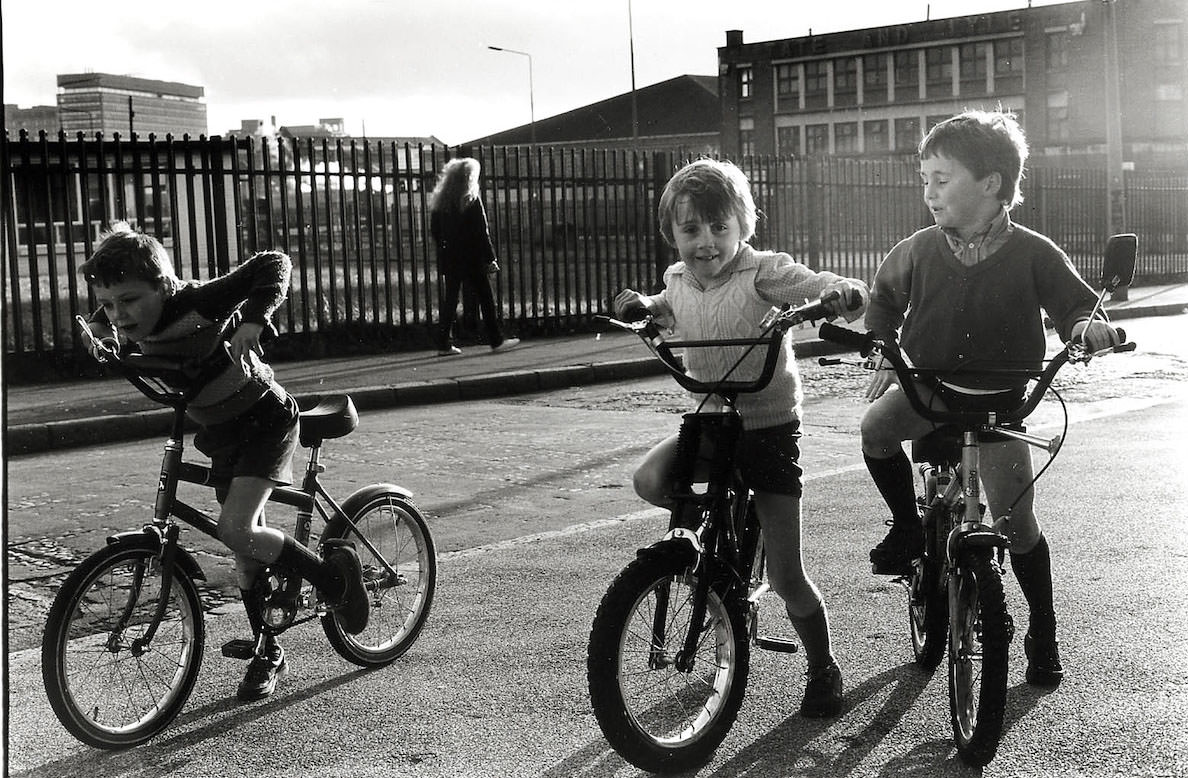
(462, 239)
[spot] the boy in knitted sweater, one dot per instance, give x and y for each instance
(721, 289)
(248, 422)
(967, 293)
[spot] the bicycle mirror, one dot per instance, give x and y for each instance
(1118, 268)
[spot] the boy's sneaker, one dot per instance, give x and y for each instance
(894, 555)
(262, 672)
(822, 692)
(351, 605)
(506, 345)
(452, 351)
(1043, 661)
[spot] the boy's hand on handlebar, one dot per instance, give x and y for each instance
(630, 306)
(1095, 335)
(850, 301)
(102, 340)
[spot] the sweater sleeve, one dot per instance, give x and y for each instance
(482, 232)
(257, 288)
(1063, 294)
(890, 293)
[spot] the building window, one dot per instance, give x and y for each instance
(845, 81)
(746, 81)
(1008, 66)
(1167, 49)
(875, 137)
(1169, 111)
(907, 75)
(1056, 58)
(971, 59)
(746, 142)
(787, 79)
(816, 139)
(788, 140)
(874, 78)
(907, 134)
(938, 71)
(1058, 117)
(845, 138)
(816, 84)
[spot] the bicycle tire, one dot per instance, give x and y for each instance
(105, 691)
(656, 733)
(977, 678)
(928, 613)
(395, 527)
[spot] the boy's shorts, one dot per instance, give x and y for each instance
(258, 443)
(770, 459)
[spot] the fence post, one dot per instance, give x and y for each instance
(218, 191)
(662, 165)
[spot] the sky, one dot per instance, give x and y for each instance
(412, 67)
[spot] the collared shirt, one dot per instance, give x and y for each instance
(983, 243)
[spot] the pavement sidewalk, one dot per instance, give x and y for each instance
(80, 413)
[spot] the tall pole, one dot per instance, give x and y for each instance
(1115, 184)
(531, 92)
(631, 44)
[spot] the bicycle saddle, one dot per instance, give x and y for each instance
(333, 417)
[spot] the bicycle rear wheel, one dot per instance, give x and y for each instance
(980, 631)
(107, 687)
(400, 540)
(657, 715)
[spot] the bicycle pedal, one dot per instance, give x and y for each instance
(777, 644)
(239, 648)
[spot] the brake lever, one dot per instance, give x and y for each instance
(100, 348)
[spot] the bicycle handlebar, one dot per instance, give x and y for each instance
(774, 328)
(166, 381)
(867, 344)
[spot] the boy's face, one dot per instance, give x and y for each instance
(133, 306)
(705, 244)
(957, 199)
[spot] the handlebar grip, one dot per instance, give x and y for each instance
(858, 341)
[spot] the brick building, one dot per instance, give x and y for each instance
(101, 102)
(876, 90)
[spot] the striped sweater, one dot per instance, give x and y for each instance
(200, 316)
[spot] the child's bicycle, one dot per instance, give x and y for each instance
(670, 643)
(955, 590)
(124, 637)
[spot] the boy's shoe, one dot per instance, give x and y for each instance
(507, 345)
(262, 672)
(452, 351)
(894, 555)
(822, 692)
(1043, 661)
(352, 606)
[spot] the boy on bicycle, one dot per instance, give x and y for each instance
(722, 288)
(967, 293)
(247, 421)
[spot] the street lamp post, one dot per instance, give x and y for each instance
(531, 92)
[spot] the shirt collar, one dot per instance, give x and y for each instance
(994, 230)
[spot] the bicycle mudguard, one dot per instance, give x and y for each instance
(681, 542)
(148, 538)
(980, 536)
(361, 496)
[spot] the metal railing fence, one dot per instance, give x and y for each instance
(571, 226)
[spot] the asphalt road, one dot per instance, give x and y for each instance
(531, 506)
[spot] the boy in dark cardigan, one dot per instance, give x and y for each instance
(967, 293)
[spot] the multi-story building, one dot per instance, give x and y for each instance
(876, 90)
(101, 102)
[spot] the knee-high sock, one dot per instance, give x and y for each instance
(813, 631)
(1034, 573)
(893, 477)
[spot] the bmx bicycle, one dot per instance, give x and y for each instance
(955, 593)
(124, 638)
(669, 648)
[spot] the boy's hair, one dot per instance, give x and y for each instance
(457, 185)
(984, 142)
(125, 253)
(715, 189)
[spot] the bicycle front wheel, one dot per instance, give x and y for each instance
(399, 573)
(109, 684)
(660, 710)
(928, 612)
(980, 633)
